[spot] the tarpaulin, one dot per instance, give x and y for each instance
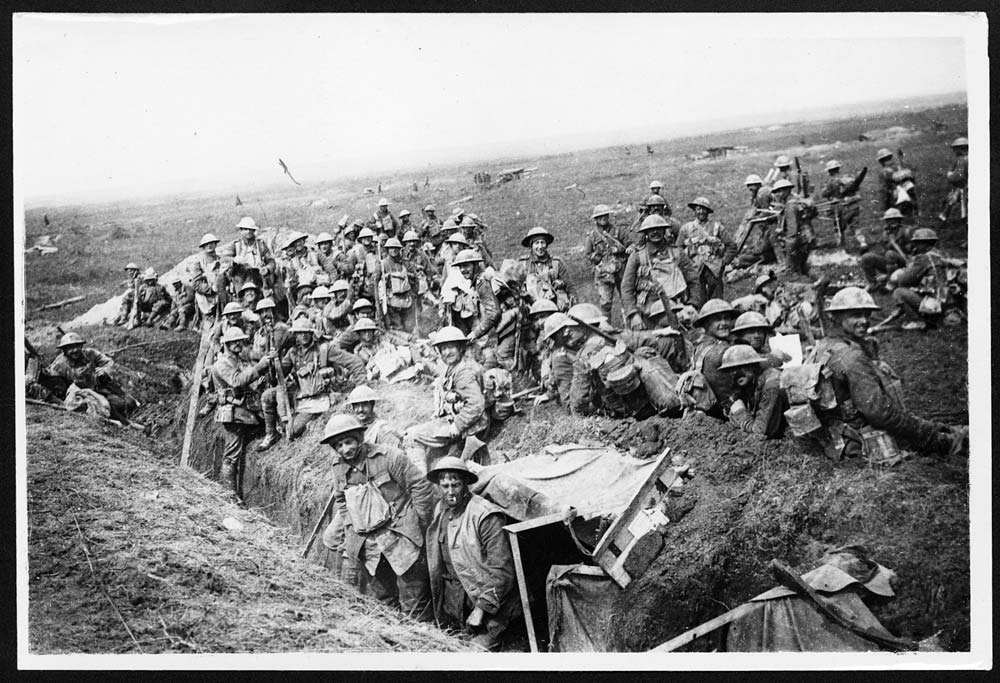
(580, 603)
(561, 476)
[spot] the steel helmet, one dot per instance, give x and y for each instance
(762, 280)
(749, 321)
(450, 463)
(430, 208)
(753, 179)
(587, 312)
(150, 274)
(600, 210)
(361, 303)
(393, 243)
(362, 394)
(656, 185)
(320, 292)
(366, 232)
(448, 335)
(852, 299)
(339, 425)
(467, 256)
(249, 284)
(535, 233)
(458, 238)
(924, 235)
(232, 307)
(233, 334)
(411, 236)
(404, 212)
(365, 324)
(70, 339)
(302, 324)
(383, 202)
(543, 306)
(782, 161)
(702, 202)
(340, 286)
(324, 237)
(655, 200)
(892, 213)
(654, 221)
(740, 354)
(264, 304)
(248, 223)
(714, 307)
(883, 154)
(291, 238)
(556, 322)
(960, 142)
(781, 184)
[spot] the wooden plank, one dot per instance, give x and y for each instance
(709, 626)
(192, 415)
(522, 587)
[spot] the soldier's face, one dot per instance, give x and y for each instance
(347, 446)
(247, 234)
(754, 337)
(365, 410)
(453, 488)
(701, 213)
(450, 352)
(855, 322)
(539, 247)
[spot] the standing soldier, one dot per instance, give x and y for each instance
(361, 402)
(886, 185)
(153, 300)
(394, 284)
(237, 386)
(655, 279)
(251, 259)
(430, 229)
(89, 368)
(131, 284)
(606, 248)
(382, 221)
(545, 276)
(958, 178)
(382, 507)
(182, 306)
(710, 247)
(841, 190)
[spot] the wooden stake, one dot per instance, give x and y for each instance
(195, 388)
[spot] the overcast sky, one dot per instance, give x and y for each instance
(110, 104)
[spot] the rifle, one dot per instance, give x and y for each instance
(280, 386)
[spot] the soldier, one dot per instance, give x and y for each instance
(606, 247)
(382, 506)
(237, 387)
(654, 279)
(545, 276)
(869, 414)
(469, 559)
(473, 308)
(395, 285)
(251, 259)
(430, 229)
(921, 289)
(459, 401)
(382, 221)
(153, 300)
(842, 192)
(879, 261)
(131, 284)
(958, 178)
(710, 247)
(89, 368)
(753, 329)
(886, 184)
(313, 367)
(205, 274)
(182, 307)
(361, 402)
(793, 230)
(757, 404)
(716, 319)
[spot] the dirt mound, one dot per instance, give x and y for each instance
(152, 536)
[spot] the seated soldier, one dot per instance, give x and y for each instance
(361, 402)
(756, 403)
(460, 404)
(88, 368)
(469, 559)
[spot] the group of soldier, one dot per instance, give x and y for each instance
(290, 333)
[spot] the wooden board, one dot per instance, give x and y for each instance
(192, 415)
